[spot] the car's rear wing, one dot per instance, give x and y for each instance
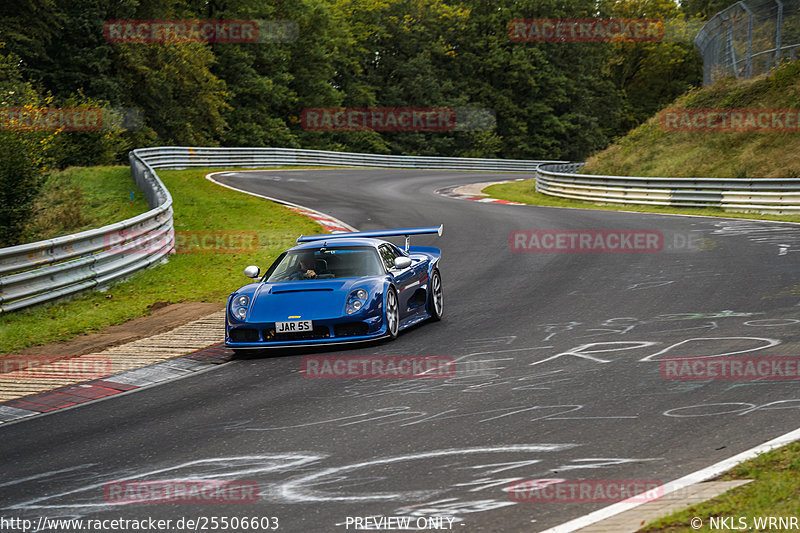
(403, 232)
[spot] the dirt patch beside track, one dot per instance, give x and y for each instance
(163, 317)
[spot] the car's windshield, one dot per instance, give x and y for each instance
(325, 263)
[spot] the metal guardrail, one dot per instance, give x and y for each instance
(184, 157)
(763, 195)
(54, 268)
(43, 271)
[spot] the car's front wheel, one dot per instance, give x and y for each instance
(392, 314)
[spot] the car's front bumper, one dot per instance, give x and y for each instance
(334, 331)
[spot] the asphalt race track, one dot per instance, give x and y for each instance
(558, 377)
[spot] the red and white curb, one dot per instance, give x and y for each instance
(95, 389)
(468, 192)
(167, 370)
(329, 223)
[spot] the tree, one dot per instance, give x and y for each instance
(23, 153)
(181, 99)
(62, 47)
(704, 9)
(653, 74)
(552, 100)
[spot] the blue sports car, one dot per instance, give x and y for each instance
(337, 288)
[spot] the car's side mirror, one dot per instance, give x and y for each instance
(252, 271)
(402, 262)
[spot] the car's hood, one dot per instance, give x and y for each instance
(301, 300)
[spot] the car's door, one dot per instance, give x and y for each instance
(405, 279)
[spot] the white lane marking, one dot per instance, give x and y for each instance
(46, 474)
(695, 477)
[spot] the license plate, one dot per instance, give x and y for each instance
(293, 326)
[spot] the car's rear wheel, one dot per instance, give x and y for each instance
(435, 296)
(392, 315)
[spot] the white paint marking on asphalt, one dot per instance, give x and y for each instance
(695, 477)
(300, 489)
(46, 474)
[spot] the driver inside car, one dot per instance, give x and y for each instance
(305, 269)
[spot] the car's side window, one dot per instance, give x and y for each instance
(387, 255)
(396, 251)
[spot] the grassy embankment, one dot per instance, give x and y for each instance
(651, 151)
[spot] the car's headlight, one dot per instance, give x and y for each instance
(239, 306)
(355, 301)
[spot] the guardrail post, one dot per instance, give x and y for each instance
(778, 33)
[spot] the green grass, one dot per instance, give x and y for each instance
(775, 492)
(199, 205)
(79, 199)
(651, 151)
(525, 192)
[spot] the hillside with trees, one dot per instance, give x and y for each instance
(551, 100)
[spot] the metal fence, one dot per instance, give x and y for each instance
(43, 271)
(54, 268)
(184, 157)
(749, 38)
(762, 195)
